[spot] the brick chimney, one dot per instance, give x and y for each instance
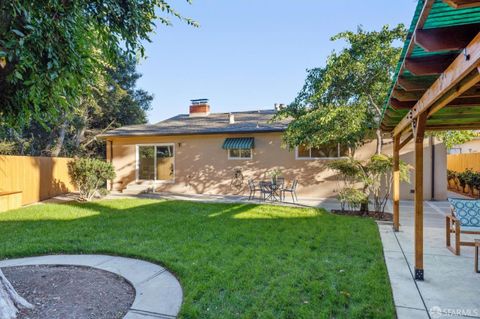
(199, 107)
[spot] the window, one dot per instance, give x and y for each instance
(324, 152)
(238, 153)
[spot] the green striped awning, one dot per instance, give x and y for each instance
(238, 143)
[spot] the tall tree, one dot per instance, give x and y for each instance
(112, 102)
(50, 56)
(342, 101)
(118, 102)
(50, 49)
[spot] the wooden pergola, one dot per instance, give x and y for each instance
(436, 87)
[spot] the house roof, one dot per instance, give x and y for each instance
(440, 32)
(214, 123)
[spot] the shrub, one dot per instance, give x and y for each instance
(475, 182)
(89, 176)
(352, 198)
(451, 174)
(372, 175)
(350, 171)
(7, 148)
(379, 175)
(465, 177)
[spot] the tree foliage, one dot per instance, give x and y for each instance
(452, 138)
(350, 90)
(51, 51)
(112, 101)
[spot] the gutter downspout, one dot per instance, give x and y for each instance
(111, 162)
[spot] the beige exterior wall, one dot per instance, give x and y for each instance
(202, 166)
(472, 146)
(438, 176)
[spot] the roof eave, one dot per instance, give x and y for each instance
(107, 136)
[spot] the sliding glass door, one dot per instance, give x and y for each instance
(156, 162)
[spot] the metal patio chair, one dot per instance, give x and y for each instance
(292, 190)
(253, 189)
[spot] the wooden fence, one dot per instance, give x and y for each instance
(460, 162)
(38, 178)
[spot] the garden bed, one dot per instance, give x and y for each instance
(375, 215)
(59, 292)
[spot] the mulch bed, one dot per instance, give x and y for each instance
(376, 215)
(71, 292)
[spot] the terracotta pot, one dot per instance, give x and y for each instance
(475, 192)
(452, 184)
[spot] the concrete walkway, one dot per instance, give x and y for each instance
(328, 203)
(158, 293)
(451, 288)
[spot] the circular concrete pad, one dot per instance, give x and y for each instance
(158, 293)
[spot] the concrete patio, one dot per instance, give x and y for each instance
(451, 287)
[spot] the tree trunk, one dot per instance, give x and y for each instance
(61, 137)
(80, 136)
(10, 301)
(378, 133)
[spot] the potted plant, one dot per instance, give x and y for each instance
(274, 174)
(465, 179)
(452, 179)
(475, 182)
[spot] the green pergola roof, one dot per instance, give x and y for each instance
(441, 15)
(238, 143)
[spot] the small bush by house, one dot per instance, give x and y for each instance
(90, 176)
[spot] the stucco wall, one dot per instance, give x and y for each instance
(472, 146)
(202, 166)
(407, 154)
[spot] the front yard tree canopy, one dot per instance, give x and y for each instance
(341, 102)
(51, 51)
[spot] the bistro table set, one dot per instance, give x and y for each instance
(273, 190)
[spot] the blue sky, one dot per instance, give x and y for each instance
(250, 54)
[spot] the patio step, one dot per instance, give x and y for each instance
(139, 188)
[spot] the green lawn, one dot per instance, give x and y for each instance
(233, 260)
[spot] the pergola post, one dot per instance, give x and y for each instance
(396, 183)
(419, 133)
(448, 53)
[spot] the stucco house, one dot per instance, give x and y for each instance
(472, 146)
(217, 153)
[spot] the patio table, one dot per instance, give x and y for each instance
(274, 190)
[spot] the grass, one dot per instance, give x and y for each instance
(233, 260)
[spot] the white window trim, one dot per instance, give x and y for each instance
(301, 158)
(137, 164)
(240, 158)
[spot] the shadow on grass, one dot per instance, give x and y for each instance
(255, 260)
